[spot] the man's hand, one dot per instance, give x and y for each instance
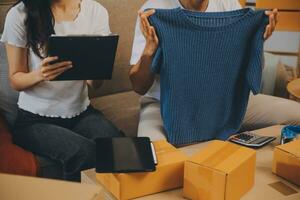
(148, 32)
(273, 20)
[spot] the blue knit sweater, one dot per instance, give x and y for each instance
(208, 63)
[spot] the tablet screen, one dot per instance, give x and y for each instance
(123, 154)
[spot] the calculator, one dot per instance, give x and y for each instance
(251, 139)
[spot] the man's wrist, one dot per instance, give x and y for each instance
(148, 54)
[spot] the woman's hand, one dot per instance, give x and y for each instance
(149, 33)
(273, 20)
(48, 72)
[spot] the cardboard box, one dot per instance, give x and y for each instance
(221, 171)
(14, 187)
(286, 161)
(168, 175)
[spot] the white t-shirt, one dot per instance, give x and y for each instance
(64, 99)
(140, 42)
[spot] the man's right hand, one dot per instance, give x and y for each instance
(149, 33)
(48, 71)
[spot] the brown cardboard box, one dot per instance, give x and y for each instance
(286, 161)
(221, 171)
(168, 175)
(14, 187)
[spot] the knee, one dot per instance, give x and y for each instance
(87, 154)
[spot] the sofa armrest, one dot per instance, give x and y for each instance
(14, 159)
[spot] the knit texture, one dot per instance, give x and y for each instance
(208, 63)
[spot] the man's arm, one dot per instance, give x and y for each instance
(140, 74)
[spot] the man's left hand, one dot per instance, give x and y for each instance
(273, 20)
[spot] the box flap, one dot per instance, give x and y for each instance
(291, 147)
(222, 156)
(167, 153)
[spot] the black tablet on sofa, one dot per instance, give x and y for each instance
(92, 56)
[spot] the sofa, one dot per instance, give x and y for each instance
(115, 98)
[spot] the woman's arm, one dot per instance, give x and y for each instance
(19, 75)
(140, 74)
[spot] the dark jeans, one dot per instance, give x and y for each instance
(67, 141)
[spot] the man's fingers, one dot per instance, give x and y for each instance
(148, 13)
(267, 32)
(276, 15)
(272, 22)
(145, 20)
(154, 35)
(142, 27)
(145, 24)
(265, 35)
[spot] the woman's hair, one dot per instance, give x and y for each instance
(39, 24)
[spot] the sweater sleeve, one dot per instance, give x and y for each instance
(256, 61)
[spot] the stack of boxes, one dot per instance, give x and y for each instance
(222, 171)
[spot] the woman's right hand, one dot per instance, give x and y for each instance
(48, 72)
(149, 33)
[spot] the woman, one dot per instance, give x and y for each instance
(55, 118)
(262, 110)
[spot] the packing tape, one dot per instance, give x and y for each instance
(221, 155)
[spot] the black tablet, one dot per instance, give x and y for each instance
(124, 155)
(92, 56)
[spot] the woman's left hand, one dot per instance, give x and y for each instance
(273, 20)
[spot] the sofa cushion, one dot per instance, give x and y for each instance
(122, 109)
(8, 96)
(124, 25)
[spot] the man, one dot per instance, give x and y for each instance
(262, 110)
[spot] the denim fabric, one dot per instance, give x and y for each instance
(67, 141)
